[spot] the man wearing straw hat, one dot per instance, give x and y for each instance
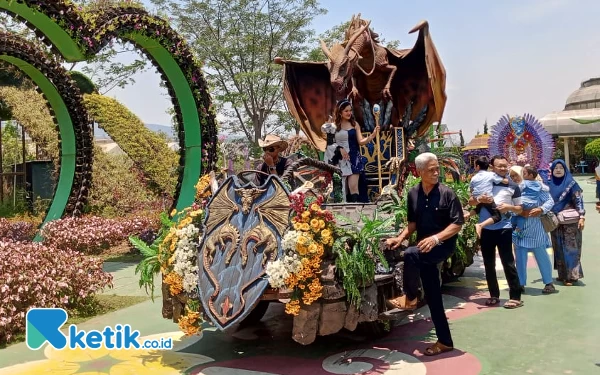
(272, 145)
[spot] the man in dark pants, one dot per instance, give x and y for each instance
(499, 235)
(436, 214)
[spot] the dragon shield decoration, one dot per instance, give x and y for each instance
(243, 228)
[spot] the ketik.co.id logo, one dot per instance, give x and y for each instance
(44, 324)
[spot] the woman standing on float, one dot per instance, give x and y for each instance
(349, 137)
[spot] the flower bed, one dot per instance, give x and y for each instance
(16, 230)
(92, 234)
(34, 275)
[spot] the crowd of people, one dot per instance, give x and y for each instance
(519, 212)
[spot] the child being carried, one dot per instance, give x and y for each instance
(482, 183)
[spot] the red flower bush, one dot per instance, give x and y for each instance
(34, 275)
(16, 230)
(91, 234)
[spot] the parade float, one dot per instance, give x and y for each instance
(293, 239)
(230, 247)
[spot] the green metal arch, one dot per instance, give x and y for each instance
(65, 103)
(59, 24)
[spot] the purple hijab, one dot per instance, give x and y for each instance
(558, 186)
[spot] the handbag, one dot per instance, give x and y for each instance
(568, 216)
(549, 221)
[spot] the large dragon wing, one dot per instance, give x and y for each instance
(420, 79)
(309, 96)
(220, 207)
(276, 209)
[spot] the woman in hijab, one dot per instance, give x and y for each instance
(566, 238)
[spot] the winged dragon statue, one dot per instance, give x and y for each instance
(409, 84)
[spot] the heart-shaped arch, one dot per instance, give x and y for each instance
(77, 36)
(66, 106)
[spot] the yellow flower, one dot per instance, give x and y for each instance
(315, 207)
(321, 224)
(173, 212)
(297, 226)
(305, 227)
(195, 213)
(301, 250)
(292, 307)
(314, 223)
(325, 233)
(312, 248)
(306, 214)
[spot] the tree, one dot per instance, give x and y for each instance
(485, 127)
(592, 148)
(238, 41)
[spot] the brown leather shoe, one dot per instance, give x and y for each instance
(402, 303)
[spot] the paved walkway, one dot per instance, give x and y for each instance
(554, 334)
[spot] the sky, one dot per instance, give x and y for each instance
(501, 57)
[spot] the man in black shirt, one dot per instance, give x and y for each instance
(436, 214)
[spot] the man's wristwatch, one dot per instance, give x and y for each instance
(437, 241)
(271, 167)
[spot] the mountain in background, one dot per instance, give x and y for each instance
(168, 130)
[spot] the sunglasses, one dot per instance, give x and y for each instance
(269, 149)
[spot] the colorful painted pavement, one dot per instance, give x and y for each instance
(554, 334)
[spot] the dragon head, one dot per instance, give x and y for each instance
(247, 197)
(342, 57)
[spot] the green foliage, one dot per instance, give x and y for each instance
(12, 148)
(593, 148)
(85, 85)
(118, 188)
(148, 150)
(29, 108)
(357, 252)
(150, 265)
(238, 41)
(397, 206)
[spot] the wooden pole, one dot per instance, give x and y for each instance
(376, 113)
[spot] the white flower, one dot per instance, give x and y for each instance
(185, 256)
(290, 240)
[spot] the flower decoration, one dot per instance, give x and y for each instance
(21, 49)
(178, 258)
(516, 135)
(93, 30)
(304, 247)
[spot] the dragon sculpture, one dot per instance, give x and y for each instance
(409, 85)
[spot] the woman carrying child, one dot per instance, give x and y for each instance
(529, 234)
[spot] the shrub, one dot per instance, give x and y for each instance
(17, 230)
(92, 234)
(34, 275)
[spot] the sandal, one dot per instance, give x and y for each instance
(492, 301)
(549, 289)
(513, 304)
(567, 283)
(437, 348)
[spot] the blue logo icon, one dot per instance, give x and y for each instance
(44, 325)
